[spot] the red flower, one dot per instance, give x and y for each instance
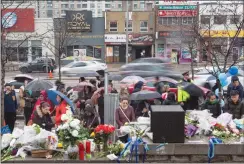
(106, 129)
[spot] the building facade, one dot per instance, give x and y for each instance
(174, 31)
(141, 29)
(25, 35)
(91, 42)
(219, 25)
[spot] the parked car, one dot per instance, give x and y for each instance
(151, 60)
(79, 66)
(39, 64)
(149, 70)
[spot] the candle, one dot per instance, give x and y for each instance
(88, 147)
(81, 151)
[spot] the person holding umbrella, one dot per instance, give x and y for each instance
(171, 99)
(142, 109)
(60, 109)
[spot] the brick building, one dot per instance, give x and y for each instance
(174, 31)
(141, 29)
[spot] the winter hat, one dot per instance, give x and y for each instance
(234, 78)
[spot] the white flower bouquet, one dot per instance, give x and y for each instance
(71, 130)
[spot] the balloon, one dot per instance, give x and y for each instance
(228, 74)
(217, 92)
(224, 83)
(222, 103)
(233, 70)
(222, 77)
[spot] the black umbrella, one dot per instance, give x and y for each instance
(192, 89)
(83, 74)
(115, 77)
(38, 85)
(144, 95)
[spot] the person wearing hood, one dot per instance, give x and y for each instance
(212, 104)
(234, 105)
(138, 87)
(90, 116)
(42, 97)
(171, 99)
(42, 116)
(235, 85)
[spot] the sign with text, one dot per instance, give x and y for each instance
(222, 33)
(140, 39)
(177, 7)
(113, 38)
(175, 34)
(177, 13)
(79, 21)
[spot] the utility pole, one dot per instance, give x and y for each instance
(127, 38)
(46, 63)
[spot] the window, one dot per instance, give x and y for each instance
(142, 5)
(84, 5)
(63, 6)
(130, 26)
(78, 5)
(205, 19)
(72, 6)
(92, 5)
(99, 5)
(119, 6)
(143, 26)
(107, 5)
(235, 19)
(62, 12)
(187, 20)
(113, 26)
(135, 6)
(80, 64)
(174, 21)
(49, 13)
(56, 6)
(99, 11)
(220, 19)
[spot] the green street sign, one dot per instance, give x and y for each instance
(181, 7)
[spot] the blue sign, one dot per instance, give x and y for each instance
(9, 20)
(5, 130)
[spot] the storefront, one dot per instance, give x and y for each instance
(24, 35)
(141, 45)
(171, 45)
(115, 47)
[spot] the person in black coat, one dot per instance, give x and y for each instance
(42, 116)
(100, 103)
(171, 99)
(142, 109)
(235, 85)
(212, 104)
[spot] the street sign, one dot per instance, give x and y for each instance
(177, 7)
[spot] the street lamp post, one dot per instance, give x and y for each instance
(127, 22)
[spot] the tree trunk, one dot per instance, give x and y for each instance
(59, 67)
(2, 93)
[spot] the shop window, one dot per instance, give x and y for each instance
(220, 19)
(235, 19)
(174, 21)
(143, 26)
(78, 6)
(130, 26)
(205, 19)
(113, 26)
(84, 5)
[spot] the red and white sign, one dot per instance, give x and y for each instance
(24, 20)
(177, 13)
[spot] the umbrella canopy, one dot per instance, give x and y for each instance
(115, 77)
(89, 73)
(23, 77)
(38, 85)
(192, 89)
(132, 79)
(52, 95)
(144, 95)
(82, 85)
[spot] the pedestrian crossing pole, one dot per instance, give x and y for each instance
(127, 22)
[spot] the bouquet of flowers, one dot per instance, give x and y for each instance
(71, 131)
(102, 133)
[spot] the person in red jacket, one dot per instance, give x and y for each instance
(60, 109)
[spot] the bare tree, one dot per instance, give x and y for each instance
(62, 37)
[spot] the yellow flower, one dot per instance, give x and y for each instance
(122, 146)
(60, 145)
(126, 123)
(92, 135)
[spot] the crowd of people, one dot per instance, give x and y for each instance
(89, 103)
